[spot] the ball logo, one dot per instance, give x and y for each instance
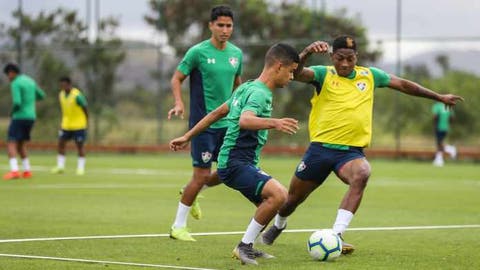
(361, 86)
(301, 166)
(206, 156)
(233, 61)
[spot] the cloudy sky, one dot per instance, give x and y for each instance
(421, 18)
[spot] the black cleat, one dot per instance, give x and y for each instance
(346, 247)
(271, 234)
(245, 253)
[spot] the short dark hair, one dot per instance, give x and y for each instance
(65, 79)
(11, 67)
(219, 11)
(282, 52)
(344, 42)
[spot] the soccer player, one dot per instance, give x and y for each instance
(340, 126)
(249, 118)
(442, 116)
(74, 124)
(25, 92)
(214, 67)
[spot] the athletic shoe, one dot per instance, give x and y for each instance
(451, 150)
(245, 253)
(27, 174)
(80, 171)
(181, 234)
(262, 254)
(346, 247)
(57, 170)
(195, 210)
(270, 235)
(438, 162)
(11, 175)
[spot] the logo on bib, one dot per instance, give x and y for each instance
(233, 61)
(206, 156)
(301, 166)
(361, 86)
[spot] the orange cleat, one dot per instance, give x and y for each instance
(27, 174)
(11, 175)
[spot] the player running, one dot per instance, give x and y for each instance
(25, 92)
(249, 118)
(74, 124)
(340, 126)
(214, 67)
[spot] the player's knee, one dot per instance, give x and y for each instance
(361, 177)
(279, 195)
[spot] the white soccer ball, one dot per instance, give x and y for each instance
(324, 245)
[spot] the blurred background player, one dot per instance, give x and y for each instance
(25, 92)
(214, 67)
(442, 117)
(249, 112)
(74, 124)
(340, 126)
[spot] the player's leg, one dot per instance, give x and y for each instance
(12, 156)
(440, 136)
(355, 173)
(63, 137)
(265, 192)
(26, 129)
(80, 137)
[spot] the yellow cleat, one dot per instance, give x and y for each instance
(80, 172)
(181, 234)
(57, 170)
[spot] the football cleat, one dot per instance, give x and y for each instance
(27, 174)
(245, 253)
(11, 175)
(346, 247)
(270, 235)
(57, 170)
(181, 234)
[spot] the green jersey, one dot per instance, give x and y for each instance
(212, 74)
(242, 146)
(24, 94)
(443, 116)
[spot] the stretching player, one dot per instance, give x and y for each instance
(340, 127)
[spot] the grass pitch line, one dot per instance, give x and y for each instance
(439, 227)
(100, 262)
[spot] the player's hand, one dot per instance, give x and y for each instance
(179, 143)
(177, 110)
(450, 100)
(287, 125)
(316, 47)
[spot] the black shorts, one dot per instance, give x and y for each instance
(440, 135)
(205, 147)
(79, 136)
(319, 161)
(20, 129)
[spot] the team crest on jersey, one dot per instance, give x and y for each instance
(206, 156)
(301, 166)
(361, 86)
(233, 61)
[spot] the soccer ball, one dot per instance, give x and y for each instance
(324, 245)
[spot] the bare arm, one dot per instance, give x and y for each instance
(307, 75)
(414, 89)
(176, 84)
(237, 82)
(212, 117)
(248, 120)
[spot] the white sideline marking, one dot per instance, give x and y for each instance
(100, 262)
(472, 226)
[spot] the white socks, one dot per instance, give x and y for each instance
(181, 217)
(61, 161)
(26, 165)
(280, 222)
(81, 163)
(13, 165)
(343, 220)
(253, 230)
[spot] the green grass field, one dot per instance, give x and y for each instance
(138, 194)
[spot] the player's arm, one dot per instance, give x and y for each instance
(176, 84)
(16, 97)
(249, 120)
(414, 89)
(82, 102)
(237, 82)
(212, 117)
(39, 93)
(307, 75)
